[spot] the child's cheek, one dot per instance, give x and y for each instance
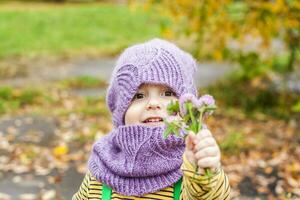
(132, 115)
(165, 105)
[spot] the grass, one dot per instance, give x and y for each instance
(72, 29)
(255, 96)
(11, 70)
(46, 101)
(83, 82)
(14, 99)
(236, 142)
(233, 143)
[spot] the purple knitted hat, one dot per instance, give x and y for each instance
(156, 61)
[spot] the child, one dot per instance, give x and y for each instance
(133, 161)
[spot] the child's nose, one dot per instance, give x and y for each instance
(153, 104)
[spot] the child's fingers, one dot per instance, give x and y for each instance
(211, 162)
(204, 133)
(208, 152)
(190, 141)
(201, 170)
(206, 142)
(190, 157)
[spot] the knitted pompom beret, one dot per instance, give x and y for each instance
(156, 61)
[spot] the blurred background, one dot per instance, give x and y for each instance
(56, 58)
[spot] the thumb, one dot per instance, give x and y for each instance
(190, 141)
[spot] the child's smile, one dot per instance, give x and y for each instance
(153, 120)
(149, 105)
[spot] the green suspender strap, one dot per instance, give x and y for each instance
(106, 191)
(177, 188)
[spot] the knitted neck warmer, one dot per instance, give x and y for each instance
(135, 160)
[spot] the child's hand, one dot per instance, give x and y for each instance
(202, 150)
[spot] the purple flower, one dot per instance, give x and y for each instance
(207, 100)
(187, 97)
(171, 119)
(182, 133)
(198, 103)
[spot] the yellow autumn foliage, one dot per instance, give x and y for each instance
(60, 150)
(215, 23)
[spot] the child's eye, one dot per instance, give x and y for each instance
(169, 93)
(138, 96)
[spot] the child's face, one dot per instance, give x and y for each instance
(149, 105)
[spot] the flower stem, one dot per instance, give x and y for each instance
(208, 173)
(194, 122)
(200, 120)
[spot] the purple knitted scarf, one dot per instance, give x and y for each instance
(135, 160)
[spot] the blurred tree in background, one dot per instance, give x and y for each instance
(263, 37)
(258, 31)
(65, 1)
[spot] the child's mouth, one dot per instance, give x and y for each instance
(153, 120)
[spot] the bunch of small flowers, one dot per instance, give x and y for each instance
(191, 111)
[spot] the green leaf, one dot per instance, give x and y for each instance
(208, 173)
(173, 107)
(167, 133)
(296, 107)
(211, 107)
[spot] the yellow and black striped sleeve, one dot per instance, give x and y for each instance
(197, 187)
(83, 192)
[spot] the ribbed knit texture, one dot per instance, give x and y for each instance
(156, 61)
(135, 160)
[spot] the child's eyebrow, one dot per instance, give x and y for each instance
(140, 91)
(168, 89)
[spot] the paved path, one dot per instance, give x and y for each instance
(101, 68)
(207, 74)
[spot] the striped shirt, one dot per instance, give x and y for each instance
(194, 186)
